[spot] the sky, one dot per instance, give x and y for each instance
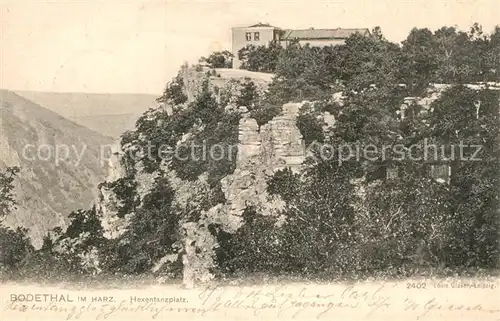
(115, 46)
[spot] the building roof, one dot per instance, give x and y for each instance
(312, 33)
(261, 25)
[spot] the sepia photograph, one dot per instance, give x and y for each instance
(250, 160)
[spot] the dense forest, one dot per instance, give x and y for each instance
(343, 219)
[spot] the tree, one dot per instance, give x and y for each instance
(312, 73)
(150, 235)
(448, 56)
(220, 59)
(407, 223)
(15, 245)
(210, 124)
(492, 57)
(310, 124)
(248, 95)
(370, 61)
(174, 92)
(257, 104)
(255, 248)
(7, 200)
(468, 117)
(260, 58)
(77, 248)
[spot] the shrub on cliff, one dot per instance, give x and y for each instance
(219, 59)
(467, 117)
(15, 245)
(76, 249)
(125, 189)
(260, 58)
(174, 92)
(150, 235)
(264, 112)
(7, 200)
(310, 124)
(255, 248)
(318, 220)
(248, 95)
(258, 106)
(214, 126)
(406, 225)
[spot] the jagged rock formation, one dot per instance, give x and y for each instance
(261, 151)
(221, 81)
(107, 203)
(260, 154)
(276, 145)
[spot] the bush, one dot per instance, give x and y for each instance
(7, 200)
(15, 247)
(220, 59)
(260, 58)
(125, 188)
(255, 248)
(174, 91)
(311, 127)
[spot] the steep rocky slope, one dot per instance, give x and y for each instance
(107, 114)
(48, 187)
(261, 151)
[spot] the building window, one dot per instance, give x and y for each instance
(392, 173)
(441, 173)
(256, 36)
(249, 36)
(402, 111)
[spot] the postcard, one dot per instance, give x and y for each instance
(250, 160)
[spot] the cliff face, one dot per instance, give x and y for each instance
(278, 144)
(261, 152)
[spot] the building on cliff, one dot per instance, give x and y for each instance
(262, 34)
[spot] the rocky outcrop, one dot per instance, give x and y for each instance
(221, 81)
(107, 203)
(283, 140)
(434, 92)
(261, 152)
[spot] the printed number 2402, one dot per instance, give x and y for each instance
(413, 285)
